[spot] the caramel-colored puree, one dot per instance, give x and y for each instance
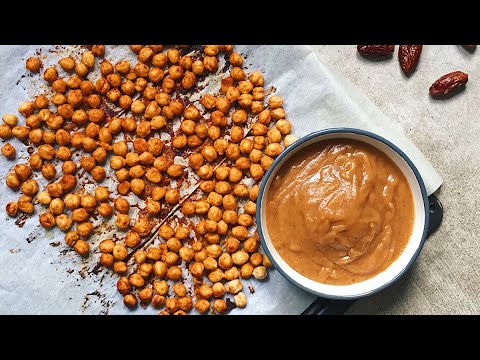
(339, 212)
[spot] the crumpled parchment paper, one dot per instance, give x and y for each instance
(39, 274)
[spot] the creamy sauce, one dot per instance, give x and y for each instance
(339, 212)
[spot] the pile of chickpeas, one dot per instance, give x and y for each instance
(229, 138)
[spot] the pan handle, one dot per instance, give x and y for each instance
(338, 307)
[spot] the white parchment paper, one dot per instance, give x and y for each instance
(44, 276)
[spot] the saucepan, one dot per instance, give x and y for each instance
(400, 266)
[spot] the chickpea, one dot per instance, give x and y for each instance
(123, 286)
(157, 193)
(172, 196)
(197, 246)
(180, 290)
(210, 63)
(33, 64)
(84, 229)
(289, 140)
(5, 132)
(72, 201)
(222, 172)
(201, 207)
(256, 171)
(236, 59)
(237, 74)
(171, 258)
(106, 260)
(122, 221)
(21, 132)
(67, 183)
(234, 286)
(10, 119)
(246, 271)
(55, 190)
(273, 149)
(220, 306)
(195, 161)
(161, 287)
(145, 269)
(202, 306)
(34, 122)
(142, 226)
(245, 100)
(50, 74)
(216, 276)
(105, 210)
(245, 87)
(198, 67)
(120, 267)
(74, 82)
(194, 141)
(47, 220)
(205, 171)
(81, 247)
(210, 263)
(22, 171)
(175, 170)
(222, 228)
(140, 257)
(71, 238)
(48, 171)
(284, 126)
(186, 254)
(8, 151)
(214, 199)
(229, 202)
(230, 217)
(240, 300)
(214, 250)
(260, 272)
(135, 279)
(160, 270)
(200, 256)
(258, 96)
(29, 187)
(67, 63)
(232, 94)
(130, 301)
(256, 259)
(182, 233)
(232, 152)
(250, 245)
(235, 174)
(106, 246)
(179, 142)
(275, 102)
(240, 257)
(132, 239)
(79, 215)
(81, 70)
(196, 269)
(174, 273)
(207, 186)
(245, 220)
(223, 187)
(60, 86)
(225, 261)
(87, 87)
(240, 190)
(12, 209)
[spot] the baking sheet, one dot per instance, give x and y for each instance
(39, 274)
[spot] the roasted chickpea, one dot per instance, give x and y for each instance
(22, 171)
(174, 273)
(79, 215)
(231, 244)
(145, 269)
(240, 257)
(33, 64)
(260, 272)
(123, 286)
(21, 132)
(284, 126)
(202, 306)
(205, 171)
(29, 187)
(289, 140)
(47, 220)
(172, 196)
(81, 70)
(196, 269)
(34, 122)
(122, 205)
(10, 119)
(218, 290)
(256, 259)
(210, 63)
(207, 186)
(48, 171)
(200, 256)
(71, 238)
(105, 210)
(246, 271)
(237, 74)
(120, 267)
(223, 187)
(122, 221)
(245, 87)
(50, 74)
(214, 250)
(74, 82)
(69, 167)
(106, 260)
(84, 229)
(81, 247)
(12, 209)
(210, 263)
(232, 152)
(130, 301)
(220, 306)
(273, 149)
(5, 132)
(142, 226)
(8, 151)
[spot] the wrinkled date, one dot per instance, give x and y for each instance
(408, 55)
(448, 83)
(375, 50)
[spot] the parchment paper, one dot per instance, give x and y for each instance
(39, 274)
